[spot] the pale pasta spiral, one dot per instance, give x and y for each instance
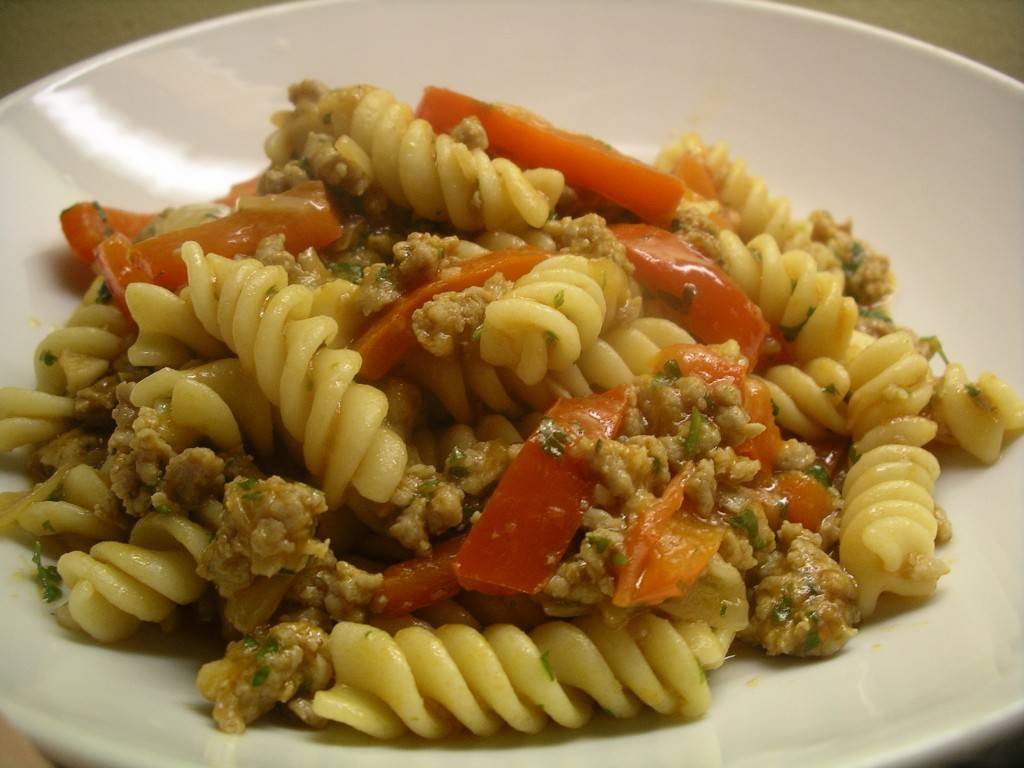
(339, 424)
(436, 176)
(888, 527)
(115, 586)
(807, 304)
(505, 675)
(979, 414)
(888, 379)
(28, 416)
(67, 504)
(809, 400)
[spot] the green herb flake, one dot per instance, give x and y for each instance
(812, 641)
(251, 643)
(856, 258)
(552, 439)
(428, 486)
(550, 337)
(559, 299)
(47, 358)
(782, 611)
(693, 434)
(383, 275)
(327, 118)
(972, 390)
(746, 521)
(260, 677)
(854, 455)
(619, 560)
(48, 526)
(351, 272)
(790, 332)
(163, 509)
(454, 462)
(102, 214)
(874, 314)
(722, 608)
(545, 662)
(775, 409)
(103, 295)
(820, 474)
(936, 346)
(830, 389)
(248, 483)
(478, 332)
(47, 576)
(57, 494)
(600, 543)
(668, 373)
(268, 648)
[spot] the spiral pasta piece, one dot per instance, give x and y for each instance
(75, 356)
(116, 585)
(888, 527)
(810, 400)
(979, 414)
(552, 315)
(807, 304)
(339, 424)
(503, 674)
(28, 416)
(759, 212)
(215, 400)
(888, 379)
(68, 505)
(436, 176)
(170, 334)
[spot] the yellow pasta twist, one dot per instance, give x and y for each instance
(979, 414)
(807, 304)
(552, 315)
(503, 674)
(115, 586)
(67, 503)
(339, 424)
(436, 176)
(215, 400)
(888, 379)
(809, 400)
(759, 212)
(78, 354)
(888, 527)
(28, 416)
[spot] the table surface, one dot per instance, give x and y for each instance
(40, 36)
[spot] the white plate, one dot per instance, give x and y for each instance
(922, 148)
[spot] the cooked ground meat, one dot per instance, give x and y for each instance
(477, 467)
(805, 604)
(665, 406)
(587, 577)
(698, 230)
(93, 404)
(305, 269)
(470, 131)
(869, 278)
(274, 666)
(71, 447)
(267, 526)
(419, 257)
(794, 454)
(425, 504)
(377, 289)
(625, 467)
(193, 477)
(944, 532)
(337, 588)
(588, 236)
(748, 539)
(451, 318)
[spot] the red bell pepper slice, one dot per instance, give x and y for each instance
(757, 401)
(390, 338)
(667, 549)
(119, 265)
(531, 518)
(419, 582)
(808, 502)
(586, 162)
(86, 225)
(692, 290)
(699, 360)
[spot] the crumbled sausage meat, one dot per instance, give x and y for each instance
(477, 467)
(425, 504)
(805, 604)
(193, 477)
(588, 236)
(377, 289)
(305, 269)
(267, 526)
(587, 577)
(71, 447)
(470, 131)
(419, 257)
(698, 230)
(289, 660)
(93, 404)
(868, 275)
(451, 317)
(339, 589)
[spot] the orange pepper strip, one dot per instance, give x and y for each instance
(534, 513)
(86, 225)
(757, 401)
(699, 360)
(667, 548)
(391, 337)
(118, 263)
(694, 171)
(808, 501)
(419, 582)
(585, 162)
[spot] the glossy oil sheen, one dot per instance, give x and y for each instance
(921, 148)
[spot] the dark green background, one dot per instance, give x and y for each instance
(40, 36)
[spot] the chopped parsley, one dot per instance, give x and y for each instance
(655, 464)
(775, 409)
(478, 332)
(722, 608)
(854, 455)
(972, 390)
(619, 559)
(351, 272)
(47, 576)
(260, 677)
(103, 295)
(874, 314)
(668, 373)
(102, 214)
(454, 462)
(600, 543)
(812, 641)
(830, 389)
(428, 486)
(552, 439)
(545, 662)
(251, 643)
(820, 474)
(693, 434)
(247, 484)
(383, 275)
(48, 526)
(327, 118)
(47, 357)
(163, 509)
(57, 494)
(270, 646)
(936, 346)
(550, 337)
(855, 260)
(790, 332)
(746, 521)
(782, 611)
(559, 299)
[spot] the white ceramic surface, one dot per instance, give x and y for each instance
(923, 149)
